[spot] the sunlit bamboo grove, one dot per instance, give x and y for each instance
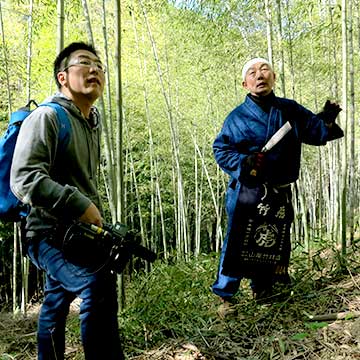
(173, 74)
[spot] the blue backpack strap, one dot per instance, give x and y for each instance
(18, 116)
(64, 124)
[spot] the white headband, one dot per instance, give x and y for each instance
(250, 63)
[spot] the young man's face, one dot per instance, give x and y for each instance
(84, 76)
(259, 79)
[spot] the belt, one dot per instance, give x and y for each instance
(277, 186)
(281, 186)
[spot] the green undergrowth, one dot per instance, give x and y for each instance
(172, 301)
(172, 305)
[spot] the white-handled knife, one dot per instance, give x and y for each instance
(273, 141)
(277, 137)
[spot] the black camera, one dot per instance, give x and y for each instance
(108, 246)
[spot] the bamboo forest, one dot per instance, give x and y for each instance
(173, 74)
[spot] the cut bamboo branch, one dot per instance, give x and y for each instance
(346, 315)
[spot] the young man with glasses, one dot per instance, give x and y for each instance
(61, 187)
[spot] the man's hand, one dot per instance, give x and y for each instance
(252, 168)
(92, 216)
(330, 112)
(254, 162)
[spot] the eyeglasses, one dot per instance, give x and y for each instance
(83, 62)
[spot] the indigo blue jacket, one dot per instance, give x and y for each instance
(247, 129)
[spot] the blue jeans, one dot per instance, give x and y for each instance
(98, 309)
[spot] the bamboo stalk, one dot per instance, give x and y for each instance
(346, 315)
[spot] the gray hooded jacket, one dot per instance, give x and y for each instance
(58, 186)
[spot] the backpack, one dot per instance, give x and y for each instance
(11, 208)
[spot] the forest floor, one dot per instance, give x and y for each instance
(171, 314)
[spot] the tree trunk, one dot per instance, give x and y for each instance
(289, 36)
(29, 55)
(14, 278)
(5, 62)
(108, 149)
(352, 115)
(119, 116)
(280, 44)
(269, 31)
(60, 26)
(344, 21)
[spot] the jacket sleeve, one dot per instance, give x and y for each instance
(313, 129)
(230, 149)
(33, 159)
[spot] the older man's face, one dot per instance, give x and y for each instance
(259, 79)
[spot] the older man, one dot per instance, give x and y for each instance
(258, 199)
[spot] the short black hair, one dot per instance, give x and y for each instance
(64, 55)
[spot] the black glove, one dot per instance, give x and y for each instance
(330, 112)
(252, 168)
